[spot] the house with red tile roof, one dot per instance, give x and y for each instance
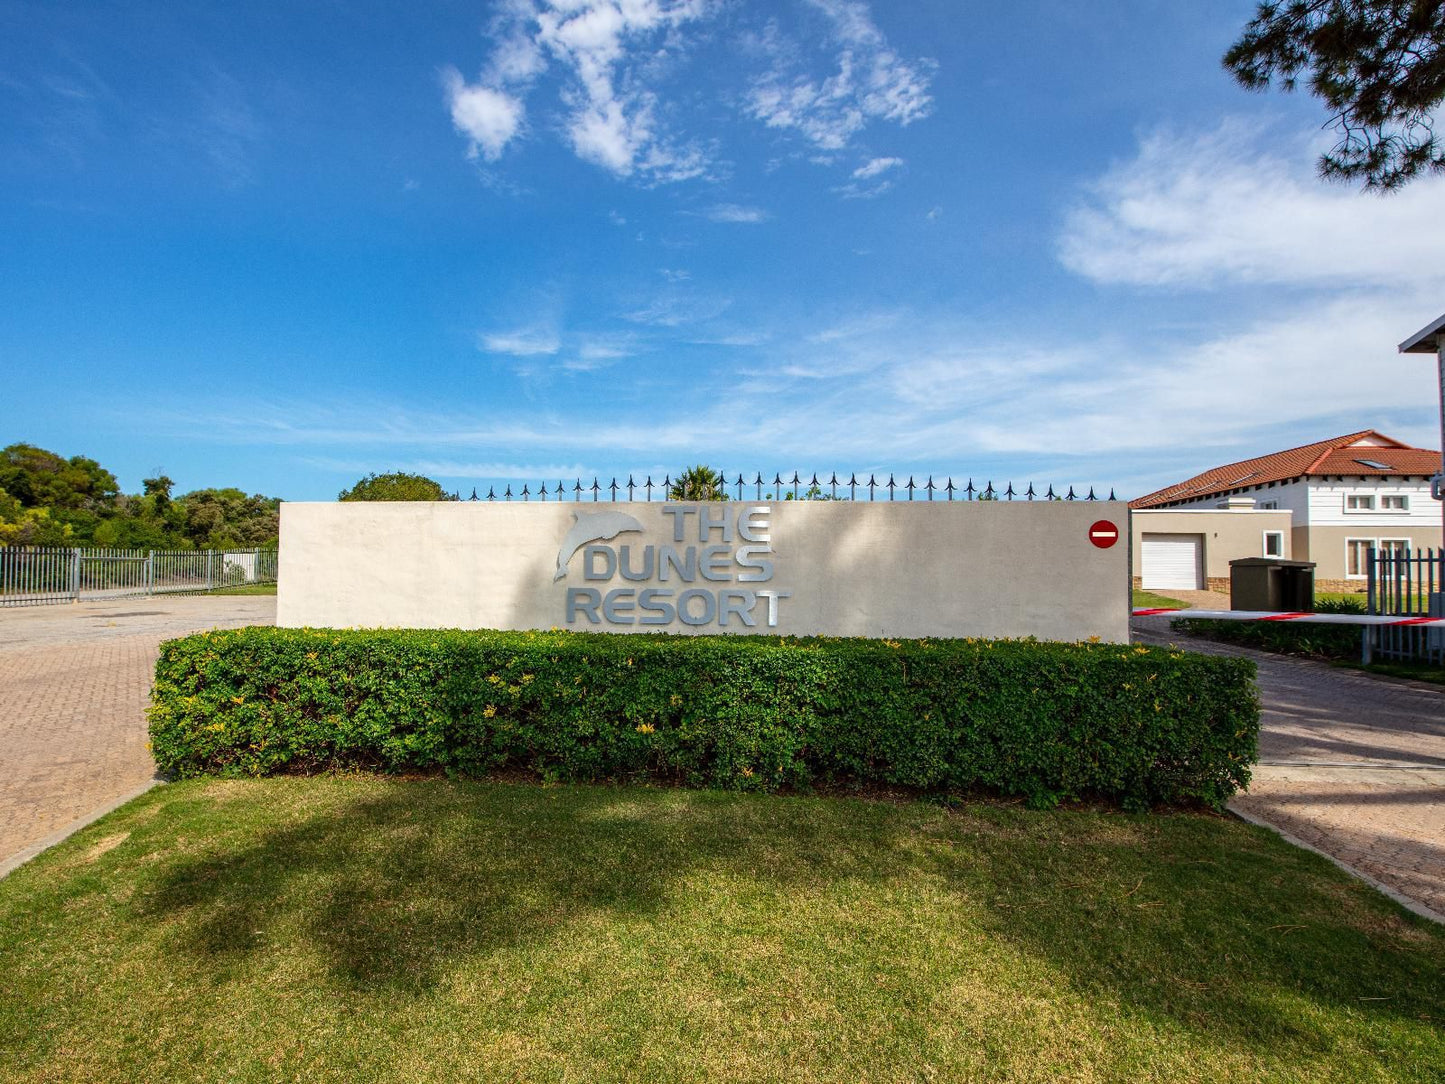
(1328, 502)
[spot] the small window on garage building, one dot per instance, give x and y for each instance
(1274, 543)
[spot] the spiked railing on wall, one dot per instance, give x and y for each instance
(791, 489)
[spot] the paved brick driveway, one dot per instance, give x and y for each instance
(74, 683)
(1351, 764)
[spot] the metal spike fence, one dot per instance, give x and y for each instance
(797, 488)
(35, 575)
(1400, 583)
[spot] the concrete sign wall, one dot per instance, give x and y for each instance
(924, 568)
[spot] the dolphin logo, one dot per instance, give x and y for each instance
(590, 528)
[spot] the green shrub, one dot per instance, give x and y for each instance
(1286, 637)
(1046, 721)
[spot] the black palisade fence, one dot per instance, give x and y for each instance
(795, 488)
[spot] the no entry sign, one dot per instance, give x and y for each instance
(1103, 533)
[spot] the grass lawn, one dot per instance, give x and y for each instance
(364, 929)
(245, 589)
(1149, 600)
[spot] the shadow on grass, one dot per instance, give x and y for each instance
(393, 888)
(1198, 922)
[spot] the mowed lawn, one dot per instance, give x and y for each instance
(361, 929)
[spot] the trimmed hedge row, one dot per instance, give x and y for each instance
(1286, 637)
(1047, 721)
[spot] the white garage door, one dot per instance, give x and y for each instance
(1173, 560)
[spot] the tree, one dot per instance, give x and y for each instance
(397, 486)
(1379, 65)
(41, 479)
(699, 483)
(20, 526)
(159, 490)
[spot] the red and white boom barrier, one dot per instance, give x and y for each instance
(1322, 619)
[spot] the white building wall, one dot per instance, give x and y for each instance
(1316, 503)
(1291, 497)
(1327, 504)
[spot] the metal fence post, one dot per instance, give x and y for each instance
(150, 572)
(1367, 634)
(210, 567)
(75, 575)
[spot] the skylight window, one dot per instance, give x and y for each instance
(1374, 463)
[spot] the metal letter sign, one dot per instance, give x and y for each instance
(700, 572)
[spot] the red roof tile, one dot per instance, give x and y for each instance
(1339, 456)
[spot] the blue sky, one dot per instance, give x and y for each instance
(278, 246)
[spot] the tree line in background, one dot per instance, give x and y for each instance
(48, 500)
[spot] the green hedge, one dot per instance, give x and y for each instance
(1043, 720)
(1286, 637)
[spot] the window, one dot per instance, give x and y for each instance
(1357, 562)
(1396, 502)
(1267, 506)
(1274, 543)
(1356, 557)
(1360, 502)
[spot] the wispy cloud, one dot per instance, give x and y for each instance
(226, 127)
(620, 104)
(736, 338)
(521, 343)
(874, 166)
(610, 53)
(856, 327)
(1225, 206)
(870, 82)
(868, 180)
(735, 213)
(600, 351)
(675, 308)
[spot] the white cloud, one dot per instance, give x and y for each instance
(854, 190)
(875, 166)
(488, 117)
(523, 343)
(736, 339)
(615, 56)
(599, 352)
(1224, 207)
(856, 327)
(871, 82)
(1137, 410)
(735, 213)
(609, 49)
(677, 309)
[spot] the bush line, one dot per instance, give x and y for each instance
(1286, 637)
(1046, 721)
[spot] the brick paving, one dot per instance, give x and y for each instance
(1350, 764)
(74, 683)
